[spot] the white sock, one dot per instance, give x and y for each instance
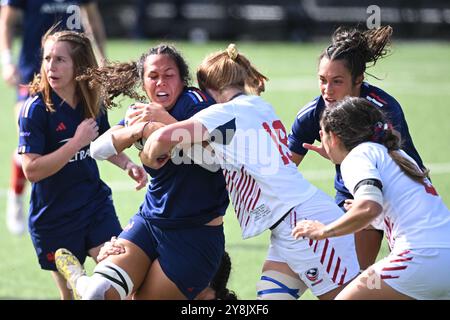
(93, 288)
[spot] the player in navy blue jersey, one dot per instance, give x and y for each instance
(37, 17)
(341, 73)
(70, 205)
(175, 243)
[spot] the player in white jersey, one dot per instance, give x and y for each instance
(385, 181)
(250, 144)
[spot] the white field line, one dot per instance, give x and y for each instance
(311, 175)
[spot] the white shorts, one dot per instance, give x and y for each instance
(419, 273)
(322, 265)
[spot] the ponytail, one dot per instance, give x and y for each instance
(356, 120)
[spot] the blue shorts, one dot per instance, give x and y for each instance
(103, 225)
(189, 257)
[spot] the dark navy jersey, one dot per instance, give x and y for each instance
(183, 195)
(307, 125)
(38, 17)
(65, 200)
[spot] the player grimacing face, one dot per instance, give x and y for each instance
(59, 67)
(335, 81)
(162, 81)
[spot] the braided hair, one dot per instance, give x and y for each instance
(220, 280)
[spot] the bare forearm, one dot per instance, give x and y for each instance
(7, 21)
(356, 219)
(93, 24)
(49, 164)
(120, 160)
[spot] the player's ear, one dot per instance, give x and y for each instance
(335, 141)
(359, 79)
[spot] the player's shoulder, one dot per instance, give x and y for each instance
(32, 106)
(378, 96)
(370, 150)
(13, 3)
(194, 96)
(313, 107)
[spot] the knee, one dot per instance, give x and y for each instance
(275, 285)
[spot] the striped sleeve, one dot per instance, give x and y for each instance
(32, 123)
(195, 100)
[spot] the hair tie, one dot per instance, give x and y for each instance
(232, 51)
(379, 131)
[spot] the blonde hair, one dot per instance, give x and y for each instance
(83, 57)
(229, 68)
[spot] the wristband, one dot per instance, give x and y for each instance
(102, 148)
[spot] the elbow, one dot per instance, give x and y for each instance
(150, 162)
(373, 209)
(31, 176)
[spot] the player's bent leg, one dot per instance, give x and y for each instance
(64, 292)
(15, 216)
(117, 276)
(70, 268)
(114, 278)
(157, 286)
(363, 288)
(279, 282)
(367, 244)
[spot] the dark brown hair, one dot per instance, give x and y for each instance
(356, 48)
(356, 120)
(118, 78)
(220, 280)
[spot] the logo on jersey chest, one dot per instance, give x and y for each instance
(80, 155)
(61, 127)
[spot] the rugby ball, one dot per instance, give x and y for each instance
(139, 144)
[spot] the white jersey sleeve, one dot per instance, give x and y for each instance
(360, 164)
(219, 120)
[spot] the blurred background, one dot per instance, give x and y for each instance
(289, 20)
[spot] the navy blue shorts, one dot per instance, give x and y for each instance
(189, 257)
(103, 225)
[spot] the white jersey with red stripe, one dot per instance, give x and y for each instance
(414, 214)
(250, 142)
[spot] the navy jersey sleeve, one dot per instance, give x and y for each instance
(192, 101)
(32, 124)
(305, 128)
(103, 123)
(14, 3)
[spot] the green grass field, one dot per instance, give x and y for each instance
(417, 74)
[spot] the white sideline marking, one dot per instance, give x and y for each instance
(311, 175)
